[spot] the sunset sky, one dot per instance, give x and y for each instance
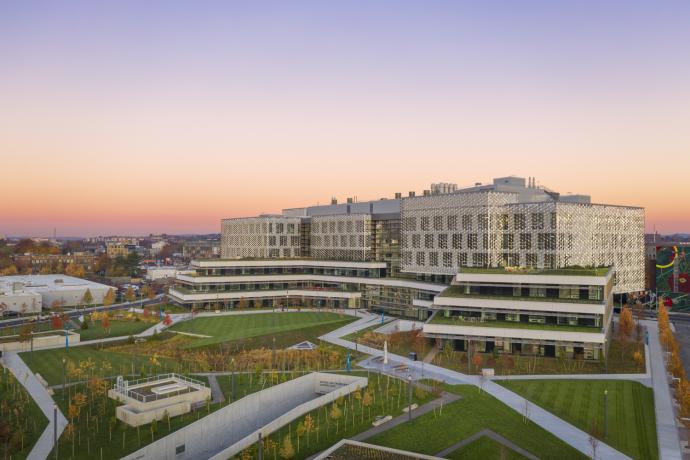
(144, 117)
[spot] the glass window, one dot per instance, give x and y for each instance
(420, 259)
(433, 259)
(425, 223)
(519, 222)
(438, 223)
(467, 222)
(483, 221)
(452, 223)
(537, 221)
(429, 241)
(526, 241)
(416, 240)
(443, 241)
(457, 241)
(472, 241)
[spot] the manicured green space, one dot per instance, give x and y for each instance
(485, 447)
(117, 329)
(438, 430)
(106, 363)
(20, 418)
(286, 339)
(225, 328)
(458, 321)
(631, 420)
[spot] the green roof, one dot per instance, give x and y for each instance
(567, 271)
(459, 291)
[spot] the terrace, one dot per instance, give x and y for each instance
(459, 292)
(459, 321)
(567, 271)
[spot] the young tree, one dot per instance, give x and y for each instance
(308, 426)
(625, 322)
(299, 432)
(286, 450)
(109, 297)
(87, 298)
(167, 320)
(56, 322)
(105, 323)
(335, 414)
(130, 296)
(477, 360)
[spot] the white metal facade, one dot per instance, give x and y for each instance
(441, 233)
(341, 237)
(260, 237)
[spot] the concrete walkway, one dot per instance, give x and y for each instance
(489, 434)
(666, 429)
(444, 399)
(216, 392)
(401, 367)
(45, 402)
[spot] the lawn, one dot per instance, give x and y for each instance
(631, 421)
(117, 329)
(48, 363)
(485, 447)
(235, 327)
(435, 431)
(26, 423)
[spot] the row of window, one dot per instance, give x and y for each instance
(467, 222)
(342, 226)
(352, 241)
(244, 228)
(477, 259)
(544, 241)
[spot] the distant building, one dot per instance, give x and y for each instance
(120, 249)
(158, 246)
(39, 262)
(30, 293)
(155, 273)
(201, 250)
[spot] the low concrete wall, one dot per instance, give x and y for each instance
(233, 428)
(48, 340)
(133, 418)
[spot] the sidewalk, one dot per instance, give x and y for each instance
(21, 371)
(666, 429)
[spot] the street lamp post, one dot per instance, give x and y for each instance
(64, 361)
(409, 405)
(233, 379)
(55, 444)
(606, 413)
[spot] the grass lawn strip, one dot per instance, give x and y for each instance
(631, 419)
(117, 329)
(233, 327)
(433, 432)
(485, 448)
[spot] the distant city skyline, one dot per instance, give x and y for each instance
(137, 118)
